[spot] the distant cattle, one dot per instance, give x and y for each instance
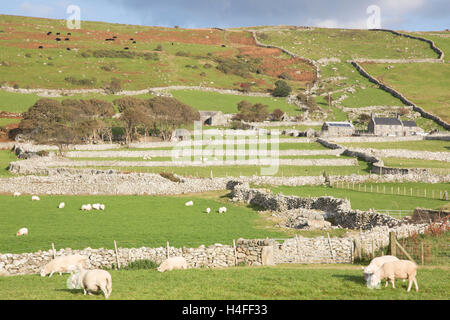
(126, 48)
(69, 34)
(114, 37)
(49, 33)
(66, 39)
(131, 39)
(134, 41)
(68, 49)
(58, 39)
(40, 47)
(223, 46)
(109, 39)
(58, 33)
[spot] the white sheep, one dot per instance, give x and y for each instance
(96, 206)
(64, 264)
(16, 194)
(61, 205)
(102, 207)
(93, 280)
(173, 263)
(208, 210)
(401, 269)
(35, 198)
(86, 207)
(222, 209)
(22, 232)
(189, 203)
(375, 264)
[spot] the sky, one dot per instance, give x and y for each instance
(412, 15)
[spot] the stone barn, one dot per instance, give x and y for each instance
(342, 129)
(213, 118)
(392, 127)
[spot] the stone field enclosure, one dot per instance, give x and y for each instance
(302, 232)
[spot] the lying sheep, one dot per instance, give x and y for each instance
(208, 210)
(61, 205)
(189, 203)
(86, 207)
(64, 264)
(93, 280)
(16, 194)
(22, 232)
(173, 263)
(222, 209)
(102, 207)
(96, 206)
(375, 264)
(35, 198)
(401, 269)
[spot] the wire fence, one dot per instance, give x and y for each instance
(395, 213)
(430, 193)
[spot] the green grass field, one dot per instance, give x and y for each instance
(6, 121)
(133, 221)
(364, 200)
(235, 171)
(420, 145)
(416, 163)
(284, 282)
(227, 103)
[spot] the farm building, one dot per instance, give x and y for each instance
(337, 129)
(213, 118)
(392, 127)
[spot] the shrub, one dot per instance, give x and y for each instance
(239, 125)
(403, 111)
(207, 66)
(285, 76)
(85, 54)
(282, 89)
(170, 176)
(277, 114)
(28, 55)
(159, 48)
(16, 86)
(182, 54)
(114, 86)
(263, 36)
(202, 74)
(42, 153)
(143, 264)
(81, 82)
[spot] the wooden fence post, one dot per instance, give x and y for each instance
(117, 254)
(54, 251)
(392, 240)
(235, 253)
(404, 251)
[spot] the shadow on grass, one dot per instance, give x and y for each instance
(355, 279)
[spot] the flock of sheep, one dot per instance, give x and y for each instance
(84, 207)
(208, 210)
(96, 280)
(384, 267)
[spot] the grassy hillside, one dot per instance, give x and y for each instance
(185, 56)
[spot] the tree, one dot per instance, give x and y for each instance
(282, 89)
(252, 112)
(277, 114)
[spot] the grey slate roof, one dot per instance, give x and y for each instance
(409, 123)
(387, 121)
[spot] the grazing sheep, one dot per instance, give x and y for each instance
(222, 209)
(102, 207)
(16, 194)
(22, 232)
(35, 198)
(375, 264)
(189, 203)
(93, 280)
(173, 263)
(61, 205)
(64, 264)
(208, 210)
(86, 207)
(401, 269)
(96, 206)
